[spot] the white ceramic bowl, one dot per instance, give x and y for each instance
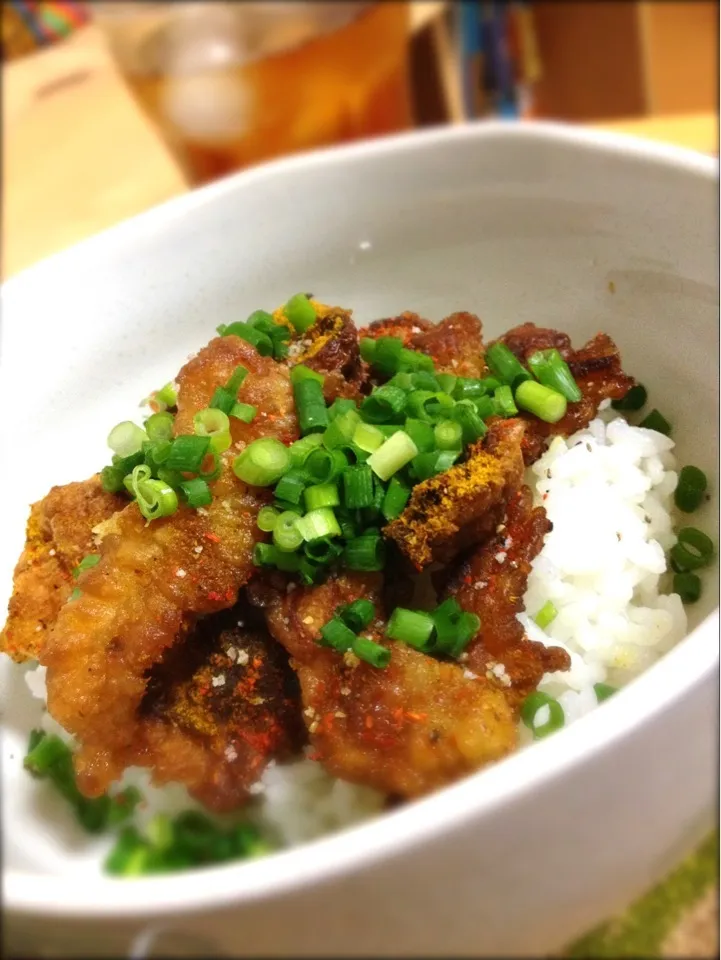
(579, 230)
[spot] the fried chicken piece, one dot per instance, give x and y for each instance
(154, 580)
(59, 534)
(596, 368)
(456, 509)
(455, 344)
(491, 584)
(406, 729)
(331, 347)
(218, 707)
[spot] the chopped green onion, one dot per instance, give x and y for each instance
(291, 485)
(633, 400)
(300, 372)
(546, 615)
(288, 561)
(541, 401)
(603, 691)
(300, 312)
(340, 431)
(196, 493)
(321, 495)
(395, 453)
(156, 499)
(550, 369)
(692, 550)
(424, 380)
(366, 552)
(414, 360)
(77, 592)
(167, 395)
(448, 435)
(535, 702)
(264, 555)
(421, 433)
(126, 438)
(357, 615)
(310, 406)
(87, 563)
(505, 366)
(687, 586)
(211, 467)
(44, 751)
(368, 437)
(262, 320)
(282, 505)
(302, 449)
(656, 421)
(159, 426)
(383, 405)
(413, 627)
(222, 399)
(503, 399)
(335, 634)
(213, 423)
(262, 463)
(467, 388)
(427, 465)
(368, 349)
(386, 355)
(485, 407)
(187, 453)
(261, 341)
(470, 421)
(112, 478)
(322, 551)
(317, 524)
(402, 380)
(309, 571)
(323, 465)
(447, 382)
(371, 652)
(339, 406)
(357, 486)
(691, 488)
(429, 405)
(267, 517)
(236, 380)
(396, 497)
(286, 532)
(243, 411)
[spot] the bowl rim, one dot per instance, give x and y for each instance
(668, 680)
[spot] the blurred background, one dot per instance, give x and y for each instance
(110, 108)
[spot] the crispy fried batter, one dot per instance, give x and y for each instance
(457, 508)
(154, 580)
(59, 534)
(492, 584)
(456, 343)
(407, 729)
(218, 707)
(330, 347)
(596, 368)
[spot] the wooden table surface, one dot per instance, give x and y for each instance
(79, 155)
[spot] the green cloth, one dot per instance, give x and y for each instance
(642, 930)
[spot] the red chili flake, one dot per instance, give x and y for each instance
(213, 537)
(212, 595)
(229, 594)
(468, 579)
(369, 721)
(416, 716)
(314, 756)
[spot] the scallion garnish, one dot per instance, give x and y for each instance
(262, 463)
(317, 524)
(322, 465)
(413, 627)
(187, 453)
(243, 411)
(550, 369)
(656, 421)
(167, 395)
(692, 550)
(541, 401)
(261, 341)
(505, 366)
(471, 423)
(337, 635)
(87, 563)
(196, 492)
(687, 586)
(384, 405)
(159, 426)
(357, 486)
(551, 717)
(126, 438)
(504, 403)
(368, 437)
(286, 532)
(546, 615)
(366, 552)
(395, 499)
(310, 406)
(213, 423)
(321, 495)
(371, 652)
(235, 382)
(267, 517)
(690, 489)
(291, 485)
(603, 691)
(357, 615)
(448, 435)
(394, 454)
(633, 400)
(300, 312)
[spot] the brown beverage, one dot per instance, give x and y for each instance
(233, 84)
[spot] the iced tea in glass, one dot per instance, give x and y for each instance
(232, 84)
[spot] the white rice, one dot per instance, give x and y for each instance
(608, 491)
